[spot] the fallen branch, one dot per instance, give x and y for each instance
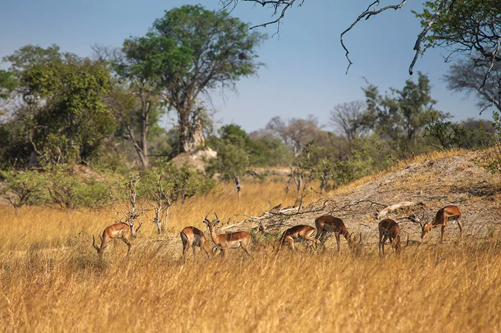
(397, 206)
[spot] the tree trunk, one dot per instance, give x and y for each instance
(238, 186)
(183, 116)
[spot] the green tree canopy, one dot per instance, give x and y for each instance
(188, 52)
(65, 118)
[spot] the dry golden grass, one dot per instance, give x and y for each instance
(36, 227)
(52, 281)
(439, 289)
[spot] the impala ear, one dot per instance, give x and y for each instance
(216, 222)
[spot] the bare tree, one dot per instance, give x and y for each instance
(346, 118)
(296, 133)
(470, 76)
(280, 7)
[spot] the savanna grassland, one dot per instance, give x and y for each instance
(52, 281)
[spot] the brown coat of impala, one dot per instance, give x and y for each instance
(227, 241)
(115, 231)
(297, 233)
(193, 237)
(389, 229)
(443, 215)
(328, 223)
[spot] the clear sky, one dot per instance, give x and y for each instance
(305, 64)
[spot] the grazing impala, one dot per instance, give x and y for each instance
(227, 241)
(115, 231)
(328, 223)
(297, 233)
(389, 229)
(193, 237)
(443, 215)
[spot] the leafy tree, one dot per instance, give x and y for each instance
(465, 25)
(65, 117)
(446, 135)
(169, 184)
(188, 52)
(232, 160)
(24, 188)
(8, 83)
(33, 55)
(401, 116)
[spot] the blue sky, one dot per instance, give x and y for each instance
(305, 64)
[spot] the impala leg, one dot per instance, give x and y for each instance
(323, 238)
(129, 244)
(338, 240)
(442, 229)
(385, 238)
(245, 249)
(205, 248)
(380, 239)
(290, 242)
(460, 228)
(312, 240)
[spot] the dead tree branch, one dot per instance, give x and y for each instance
(397, 206)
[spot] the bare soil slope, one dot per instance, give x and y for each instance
(436, 180)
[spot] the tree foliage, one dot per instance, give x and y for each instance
(65, 108)
(465, 25)
(188, 52)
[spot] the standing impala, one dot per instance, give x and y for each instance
(297, 233)
(121, 231)
(227, 241)
(328, 223)
(389, 229)
(443, 215)
(193, 237)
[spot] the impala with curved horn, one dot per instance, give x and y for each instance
(120, 230)
(193, 237)
(329, 223)
(441, 218)
(389, 229)
(227, 241)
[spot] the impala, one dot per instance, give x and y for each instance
(227, 241)
(193, 237)
(297, 233)
(443, 215)
(389, 229)
(328, 223)
(115, 231)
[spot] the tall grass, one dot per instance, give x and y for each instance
(51, 279)
(440, 289)
(37, 227)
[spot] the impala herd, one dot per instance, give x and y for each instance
(194, 237)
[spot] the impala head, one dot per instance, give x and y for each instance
(352, 242)
(211, 224)
(98, 249)
(426, 228)
(396, 243)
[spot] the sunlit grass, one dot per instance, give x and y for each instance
(51, 279)
(36, 227)
(439, 289)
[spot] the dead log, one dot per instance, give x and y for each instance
(397, 206)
